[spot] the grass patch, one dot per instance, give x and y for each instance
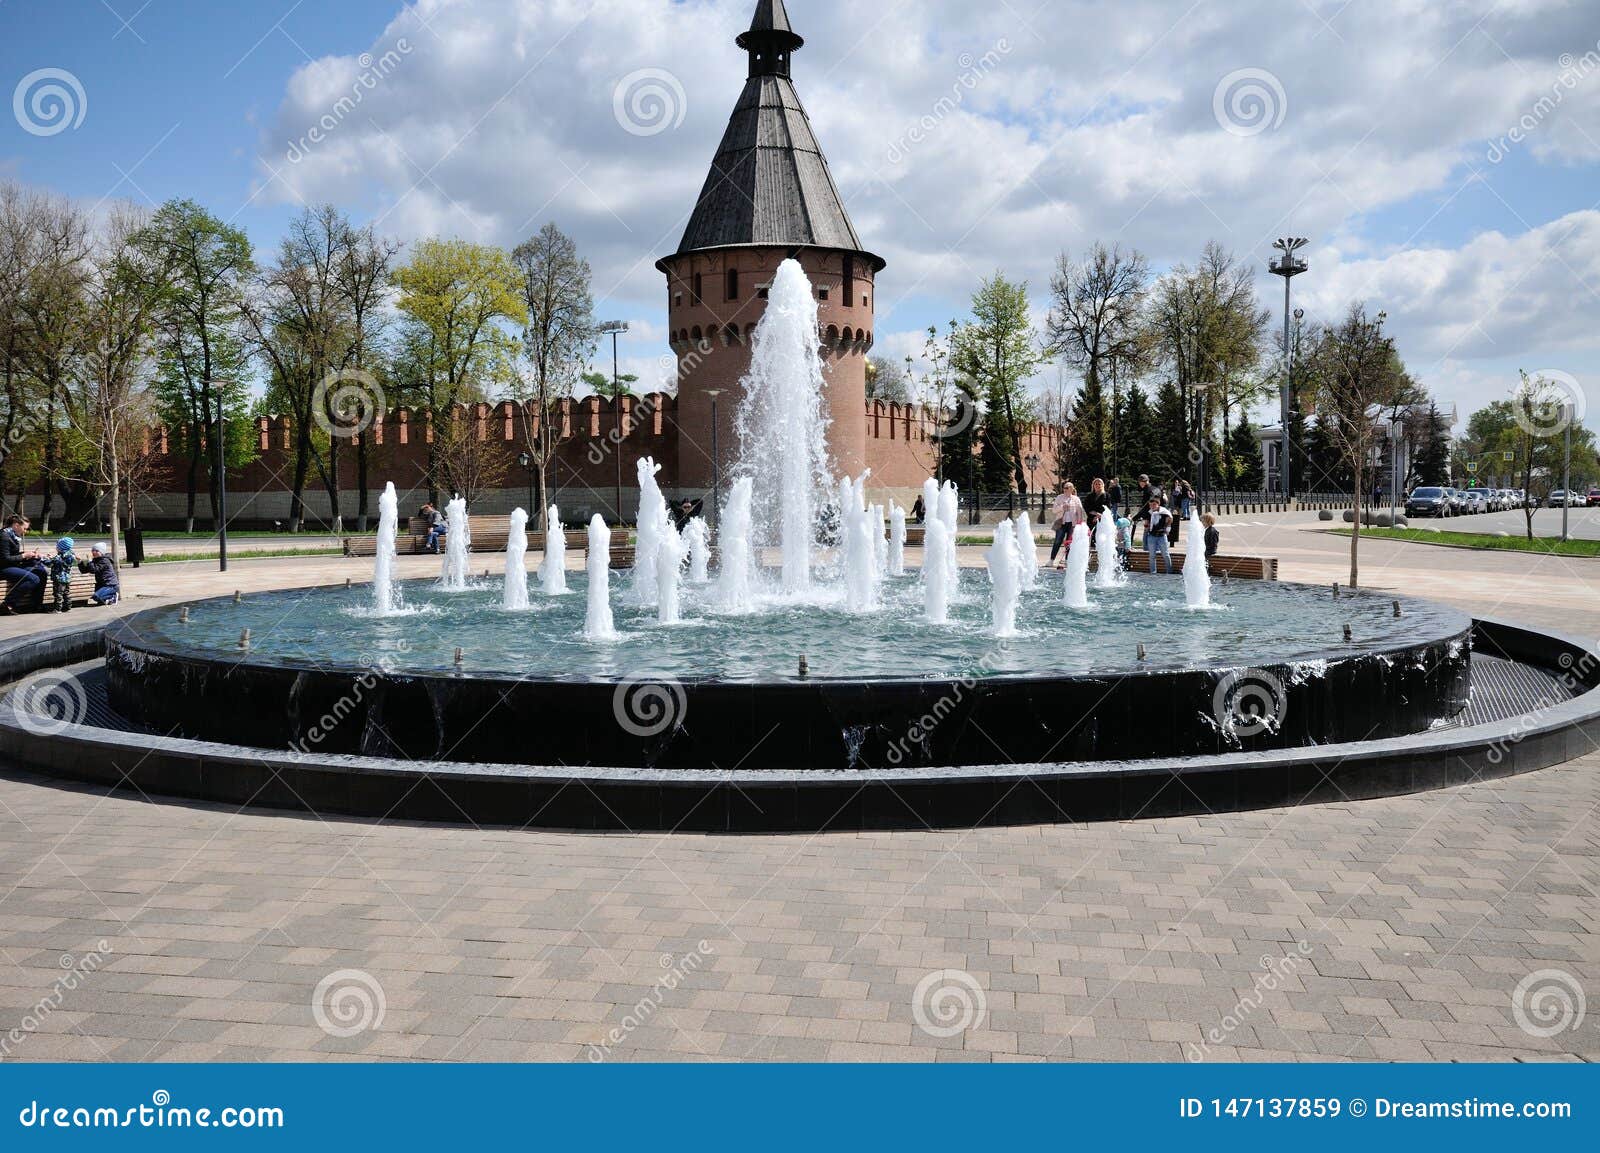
(1549, 546)
(243, 554)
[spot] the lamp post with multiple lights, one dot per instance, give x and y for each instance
(1288, 266)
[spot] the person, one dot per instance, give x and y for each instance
(437, 528)
(1158, 524)
(1096, 503)
(1142, 513)
(1213, 537)
(918, 510)
(21, 566)
(62, 565)
(1114, 495)
(1065, 513)
(683, 514)
(107, 588)
(1124, 540)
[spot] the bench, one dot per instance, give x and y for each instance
(1254, 568)
(488, 534)
(82, 588)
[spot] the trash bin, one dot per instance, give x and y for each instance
(133, 545)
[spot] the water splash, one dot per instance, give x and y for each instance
(1027, 551)
(937, 574)
(653, 525)
(1075, 592)
(385, 597)
(697, 538)
(553, 572)
(1005, 576)
(734, 552)
(597, 623)
(456, 543)
(669, 563)
(1108, 572)
(1196, 580)
(897, 540)
(514, 597)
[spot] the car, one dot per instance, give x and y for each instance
(1593, 499)
(1475, 501)
(1428, 500)
(1561, 498)
(1458, 502)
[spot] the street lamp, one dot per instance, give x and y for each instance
(716, 461)
(1396, 431)
(616, 328)
(222, 481)
(526, 461)
(1287, 266)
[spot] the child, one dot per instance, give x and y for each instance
(1213, 537)
(61, 566)
(1124, 540)
(106, 586)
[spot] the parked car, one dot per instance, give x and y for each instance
(1428, 501)
(1475, 501)
(1561, 498)
(1458, 501)
(1593, 499)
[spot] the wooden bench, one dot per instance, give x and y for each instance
(82, 590)
(1254, 568)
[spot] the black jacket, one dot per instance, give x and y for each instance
(1213, 540)
(11, 551)
(105, 573)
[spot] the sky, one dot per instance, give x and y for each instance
(1440, 156)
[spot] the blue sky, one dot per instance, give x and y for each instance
(1090, 121)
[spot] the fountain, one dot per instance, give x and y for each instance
(669, 565)
(1196, 578)
(937, 575)
(859, 546)
(1027, 551)
(1075, 593)
(1005, 576)
(597, 623)
(697, 538)
(734, 578)
(654, 523)
(553, 571)
(1108, 566)
(880, 541)
(384, 598)
(949, 505)
(515, 595)
(456, 543)
(781, 423)
(897, 541)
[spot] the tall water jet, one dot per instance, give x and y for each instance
(1196, 578)
(1006, 577)
(597, 622)
(880, 541)
(858, 545)
(553, 570)
(936, 572)
(696, 538)
(669, 563)
(515, 595)
(949, 506)
(897, 540)
(1108, 566)
(1027, 551)
(383, 592)
(1075, 594)
(733, 550)
(653, 525)
(781, 423)
(456, 542)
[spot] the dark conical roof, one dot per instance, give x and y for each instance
(769, 183)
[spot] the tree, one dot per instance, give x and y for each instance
(1356, 374)
(1533, 426)
(454, 295)
(1095, 326)
(202, 360)
(1136, 434)
(365, 280)
(1430, 464)
(1243, 459)
(998, 351)
(602, 384)
(887, 381)
(556, 308)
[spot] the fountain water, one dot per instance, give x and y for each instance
(880, 541)
(897, 540)
(733, 544)
(1075, 594)
(669, 565)
(781, 423)
(696, 537)
(1027, 551)
(1108, 567)
(598, 624)
(384, 595)
(653, 525)
(456, 543)
(1196, 580)
(949, 504)
(860, 560)
(937, 575)
(515, 595)
(1005, 575)
(553, 572)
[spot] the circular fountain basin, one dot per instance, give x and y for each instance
(1266, 667)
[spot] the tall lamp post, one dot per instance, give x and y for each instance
(1288, 266)
(616, 328)
(1031, 461)
(1396, 430)
(526, 461)
(222, 484)
(716, 462)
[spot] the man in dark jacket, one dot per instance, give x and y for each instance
(1114, 495)
(22, 567)
(107, 588)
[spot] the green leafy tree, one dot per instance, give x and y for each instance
(1430, 464)
(1243, 460)
(998, 351)
(601, 384)
(887, 381)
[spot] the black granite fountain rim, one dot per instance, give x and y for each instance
(1456, 626)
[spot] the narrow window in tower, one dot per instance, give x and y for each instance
(822, 294)
(733, 284)
(677, 299)
(849, 280)
(695, 290)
